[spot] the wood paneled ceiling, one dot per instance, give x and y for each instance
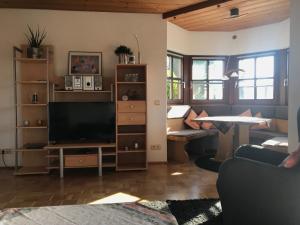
(258, 12)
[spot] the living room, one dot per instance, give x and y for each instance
(134, 164)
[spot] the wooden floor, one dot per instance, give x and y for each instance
(160, 182)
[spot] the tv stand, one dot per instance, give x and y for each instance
(67, 160)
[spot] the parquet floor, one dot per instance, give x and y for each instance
(160, 182)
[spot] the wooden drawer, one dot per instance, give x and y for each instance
(132, 106)
(81, 160)
(131, 118)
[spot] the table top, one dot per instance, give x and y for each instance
(234, 119)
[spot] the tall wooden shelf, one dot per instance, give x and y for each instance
(31, 75)
(131, 117)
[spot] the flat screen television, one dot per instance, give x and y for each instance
(81, 122)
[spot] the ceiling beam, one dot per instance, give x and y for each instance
(190, 8)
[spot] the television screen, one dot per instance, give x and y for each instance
(81, 121)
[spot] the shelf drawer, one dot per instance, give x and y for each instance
(131, 118)
(90, 160)
(131, 106)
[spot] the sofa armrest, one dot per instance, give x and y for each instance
(254, 192)
(260, 154)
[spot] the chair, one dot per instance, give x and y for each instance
(254, 191)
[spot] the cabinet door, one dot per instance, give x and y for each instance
(132, 106)
(131, 118)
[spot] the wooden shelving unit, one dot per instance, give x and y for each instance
(131, 117)
(31, 76)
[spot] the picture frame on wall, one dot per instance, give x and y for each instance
(88, 63)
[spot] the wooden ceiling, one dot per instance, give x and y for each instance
(258, 12)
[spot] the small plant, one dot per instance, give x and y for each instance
(122, 49)
(35, 38)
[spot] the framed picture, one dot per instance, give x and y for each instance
(88, 63)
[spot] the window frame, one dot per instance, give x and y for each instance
(256, 101)
(225, 83)
(181, 80)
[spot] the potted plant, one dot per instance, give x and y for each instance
(35, 40)
(123, 52)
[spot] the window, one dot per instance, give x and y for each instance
(207, 79)
(257, 82)
(174, 78)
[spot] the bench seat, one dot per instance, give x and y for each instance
(279, 144)
(266, 134)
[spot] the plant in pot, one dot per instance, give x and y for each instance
(35, 40)
(123, 52)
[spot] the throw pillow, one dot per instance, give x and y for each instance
(205, 125)
(246, 113)
(260, 126)
(292, 160)
(189, 120)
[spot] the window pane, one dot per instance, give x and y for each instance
(265, 67)
(248, 66)
(216, 91)
(169, 66)
(177, 67)
(246, 89)
(199, 70)
(177, 89)
(215, 69)
(169, 93)
(199, 90)
(265, 89)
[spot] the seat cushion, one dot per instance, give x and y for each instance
(279, 144)
(265, 134)
(189, 134)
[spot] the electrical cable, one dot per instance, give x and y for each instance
(3, 159)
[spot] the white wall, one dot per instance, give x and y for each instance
(263, 38)
(294, 76)
(88, 31)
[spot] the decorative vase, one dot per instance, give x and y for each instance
(35, 53)
(123, 59)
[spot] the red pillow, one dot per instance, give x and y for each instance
(260, 126)
(292, 160)
(205, 125)
(189, 120)
(246, 113)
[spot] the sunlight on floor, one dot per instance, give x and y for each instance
(176, 174)
(116, 198)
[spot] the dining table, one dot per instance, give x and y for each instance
(233, 132)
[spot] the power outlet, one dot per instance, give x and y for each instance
(155, 147)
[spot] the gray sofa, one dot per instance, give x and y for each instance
(254, 190)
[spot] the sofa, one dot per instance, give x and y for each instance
(253, 189)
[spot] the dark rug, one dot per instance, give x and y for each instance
(208, 163)
(191, 212)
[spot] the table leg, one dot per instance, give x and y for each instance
(100, 162)
(61, 162)
(225, 145)
(243, 134)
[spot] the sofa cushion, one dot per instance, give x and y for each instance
(279, 144)
(190, 120)
(189, 134)
(265, 134)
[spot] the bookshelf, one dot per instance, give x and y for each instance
(131, 117)
(31, 75)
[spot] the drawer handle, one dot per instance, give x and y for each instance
(131, 119)
(131, 106)
(80, 160)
